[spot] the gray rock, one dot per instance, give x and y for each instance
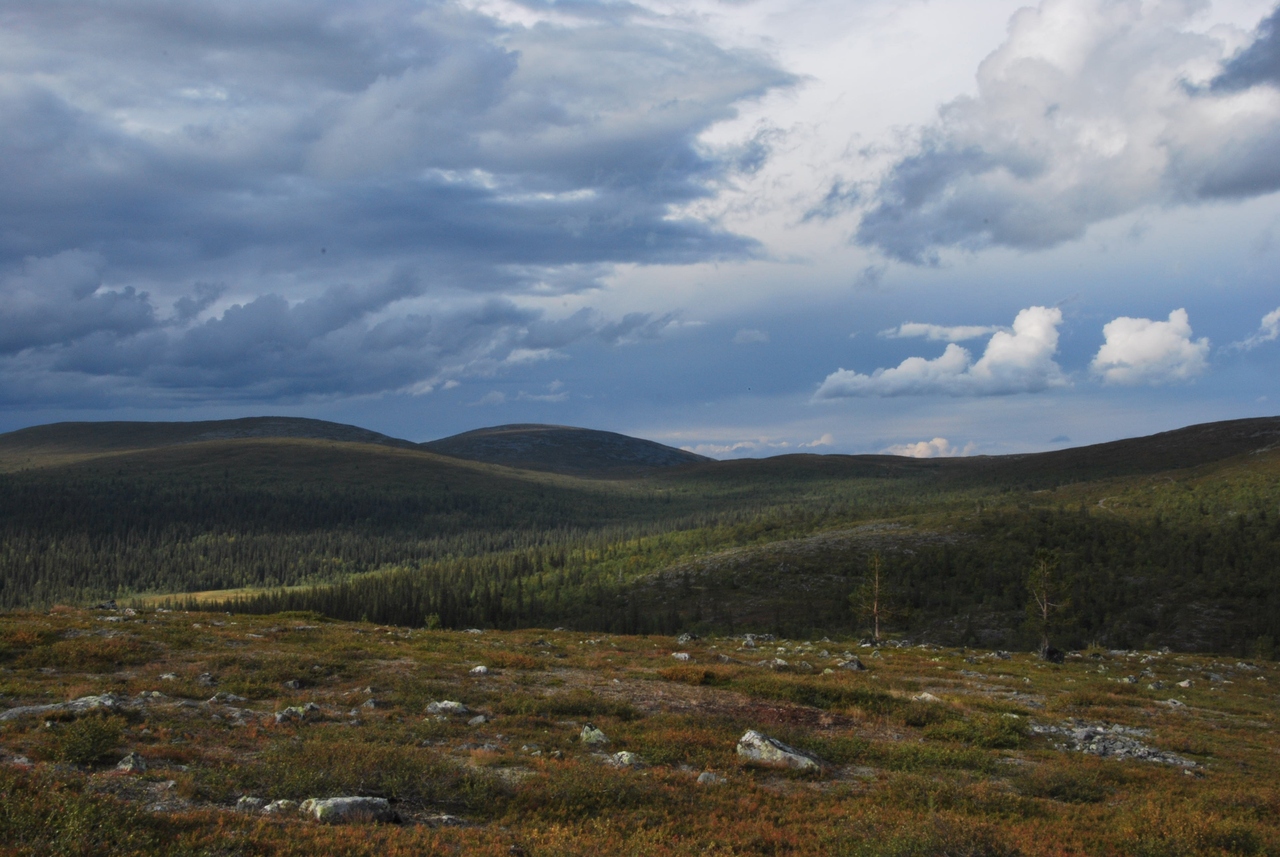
(226, 698)
(280, 807)
(1109, 741)
(250, 804)
(298, 713)
(682, 656)
(480, 670)
(478, 720)
(293, 684)
(625, 759)
(109, 701)
(206, 679)
(446, 707)
(761, 749)
(1186, 682)
(853, 664)
(709, 778)
(132, 763)
(349, 810)
(592, 737)
(169, 677)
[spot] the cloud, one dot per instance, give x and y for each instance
(939, 447)
(826, 440)
(231, 201)
(1142, 351)
(1256, 64)
(1089, 110)
(937, 332)
(750, 337)
(1268, 331)
(1020, 361)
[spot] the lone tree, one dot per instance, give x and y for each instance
(1048, 593)
(873, 600)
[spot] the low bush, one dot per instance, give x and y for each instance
(86, 740)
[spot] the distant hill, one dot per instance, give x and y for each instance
(562, 449)
(61, 443)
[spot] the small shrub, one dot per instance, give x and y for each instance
(696, 675)
(993, 733)
(87, 740)
(1066, 786)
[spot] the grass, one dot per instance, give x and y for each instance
(963, 775)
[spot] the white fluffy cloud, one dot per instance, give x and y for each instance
(939, 447)
(1089, 110)
(750, 337)
(937, 332)
(1142, 351)
(1020, 361)
(1268, 331)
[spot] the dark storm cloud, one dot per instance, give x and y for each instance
(1082, 115)
(272, 199)
(1258, 63)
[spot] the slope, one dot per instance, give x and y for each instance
(563, 449)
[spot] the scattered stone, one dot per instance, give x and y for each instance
(480, 670)
(1175, 703)
(250, 804)
(592, 737)
(293, 684)
(684, 639)
(443, 820)
(473, 631)
(926, 696)
(371, 704)
(206, 680)
(681, 656)
(132, 763)
(280, 807)
(169, 677)
(445, 707)
(1186, 682)
(226, 698)
(854, 664)
(1109, 741)
(625, 759)
(478, 720)
(109, 701)
(828, 671)
(349, 810)
(761, 749)
(709, 778)
(298, 713)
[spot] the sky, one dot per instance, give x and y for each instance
(741, 227)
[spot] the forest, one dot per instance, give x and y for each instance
(1156, 543)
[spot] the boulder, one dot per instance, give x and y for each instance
(349, 810)
(298, 713)
(480, 670)
(250, 804)
(85, 703)
(682, 656)
(132, 763)
(926, 696)
(853, 664)
(709, 778)
(478, 720)
(592, 737)
(760, 749)
(625, 759)
(445, 707)
(280, 807)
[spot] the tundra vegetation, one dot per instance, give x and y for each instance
(928, 750)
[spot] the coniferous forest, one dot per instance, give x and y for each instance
(1158, 542)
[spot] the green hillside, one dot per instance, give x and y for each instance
(1169, 540)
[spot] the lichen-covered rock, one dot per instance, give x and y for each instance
(480, 670)
(853, 664)
(592, 737)
(760, 749)
(446, 707)
(1109, 741)
(132, 763)
(709, 778)
(280, 807)
(249, 803)
(349, 810)
(108, 701)
(625, 759)
(682, 656)
(298, 713)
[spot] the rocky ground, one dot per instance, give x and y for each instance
(293, 735)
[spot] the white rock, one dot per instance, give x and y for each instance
(480, 670)
(708, 778)
(591, 736)
(761, 749)
(133, 763)
(446, 707)
(926, 696)
(681, 656)
(250, 804)
(280, 807)
(625, 759)
(346, 810)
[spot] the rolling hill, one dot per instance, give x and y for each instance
(1172, 539)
